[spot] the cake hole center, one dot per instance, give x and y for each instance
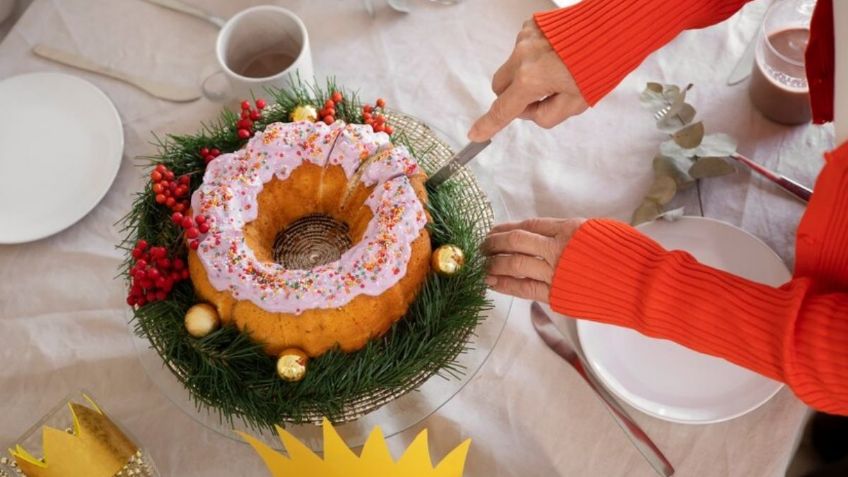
(310, 241)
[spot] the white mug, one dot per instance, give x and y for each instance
(261, 47)
(6, 9)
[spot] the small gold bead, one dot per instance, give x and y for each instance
(291, 365)
(447, 260)
(202, 319)
(304, 113)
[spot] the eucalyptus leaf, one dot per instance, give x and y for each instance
(689, 155)
(662, 190)
(652, 97)
(711, 167)
(673, 121)
(672, 149)
(675, 100)
(672, 92)
(673, 214)
(675, 169)
(675, 97)
(648, 211)
(681, 92)
(690, 136)
(716, 145)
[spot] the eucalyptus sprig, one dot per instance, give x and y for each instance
(687, 156)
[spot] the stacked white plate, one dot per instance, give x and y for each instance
(61, 144)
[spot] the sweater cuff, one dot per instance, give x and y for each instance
(593, 258)
(611, 273)
(601, 41)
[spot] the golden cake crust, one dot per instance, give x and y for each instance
(308, 190)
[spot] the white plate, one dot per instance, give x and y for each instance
(664, 379)
(61, 143)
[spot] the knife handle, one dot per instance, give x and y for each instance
(71, 59)
(637, 436)
(800, 192)
(181, 7)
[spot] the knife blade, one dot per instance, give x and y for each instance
(461, 158)
(557, 342)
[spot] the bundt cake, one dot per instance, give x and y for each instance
(317, 236)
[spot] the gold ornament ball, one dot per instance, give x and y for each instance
(291, 365)
(304, 113)
(448, 260)
(202, 319)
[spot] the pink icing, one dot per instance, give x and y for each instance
(228, 197)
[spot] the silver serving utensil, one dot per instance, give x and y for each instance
(557, 342)
(181, 7)
(164, 91)
(456, 162)
(794, 188)
(791, 186)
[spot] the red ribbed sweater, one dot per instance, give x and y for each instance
(609, 272)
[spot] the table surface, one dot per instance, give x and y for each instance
(62, 314)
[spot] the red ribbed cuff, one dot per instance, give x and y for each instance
(611, 273)
(601, 41)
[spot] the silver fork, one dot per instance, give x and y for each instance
(552, 337)
(659, 115)
(793, 187)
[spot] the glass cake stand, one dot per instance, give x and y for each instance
(398, 414)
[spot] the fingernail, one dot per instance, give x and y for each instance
(473, 134)
(491, 281)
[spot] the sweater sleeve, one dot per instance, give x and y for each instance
(601, 41)
(797, 333)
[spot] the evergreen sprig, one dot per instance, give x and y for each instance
(230, 373)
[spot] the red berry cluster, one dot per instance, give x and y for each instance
(209, 154)
(193, 228)
(373, 116)
(244, 126)
(153, 274)
(170, 192)
(328, 112)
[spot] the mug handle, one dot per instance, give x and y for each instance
(217, 95)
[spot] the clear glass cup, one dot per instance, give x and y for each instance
(61, 418)
(778, 86)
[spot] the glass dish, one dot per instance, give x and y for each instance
(60, 417)
(408, 409)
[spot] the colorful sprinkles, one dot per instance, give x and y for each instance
(228, 197)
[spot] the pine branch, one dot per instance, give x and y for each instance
(228, 372)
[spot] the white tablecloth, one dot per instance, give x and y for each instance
(62, 316)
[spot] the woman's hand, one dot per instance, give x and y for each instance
(523, 256)
(533, 84)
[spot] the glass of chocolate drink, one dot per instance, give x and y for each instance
(778, 85)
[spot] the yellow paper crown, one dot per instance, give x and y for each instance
(95, 448)
(340, 461)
